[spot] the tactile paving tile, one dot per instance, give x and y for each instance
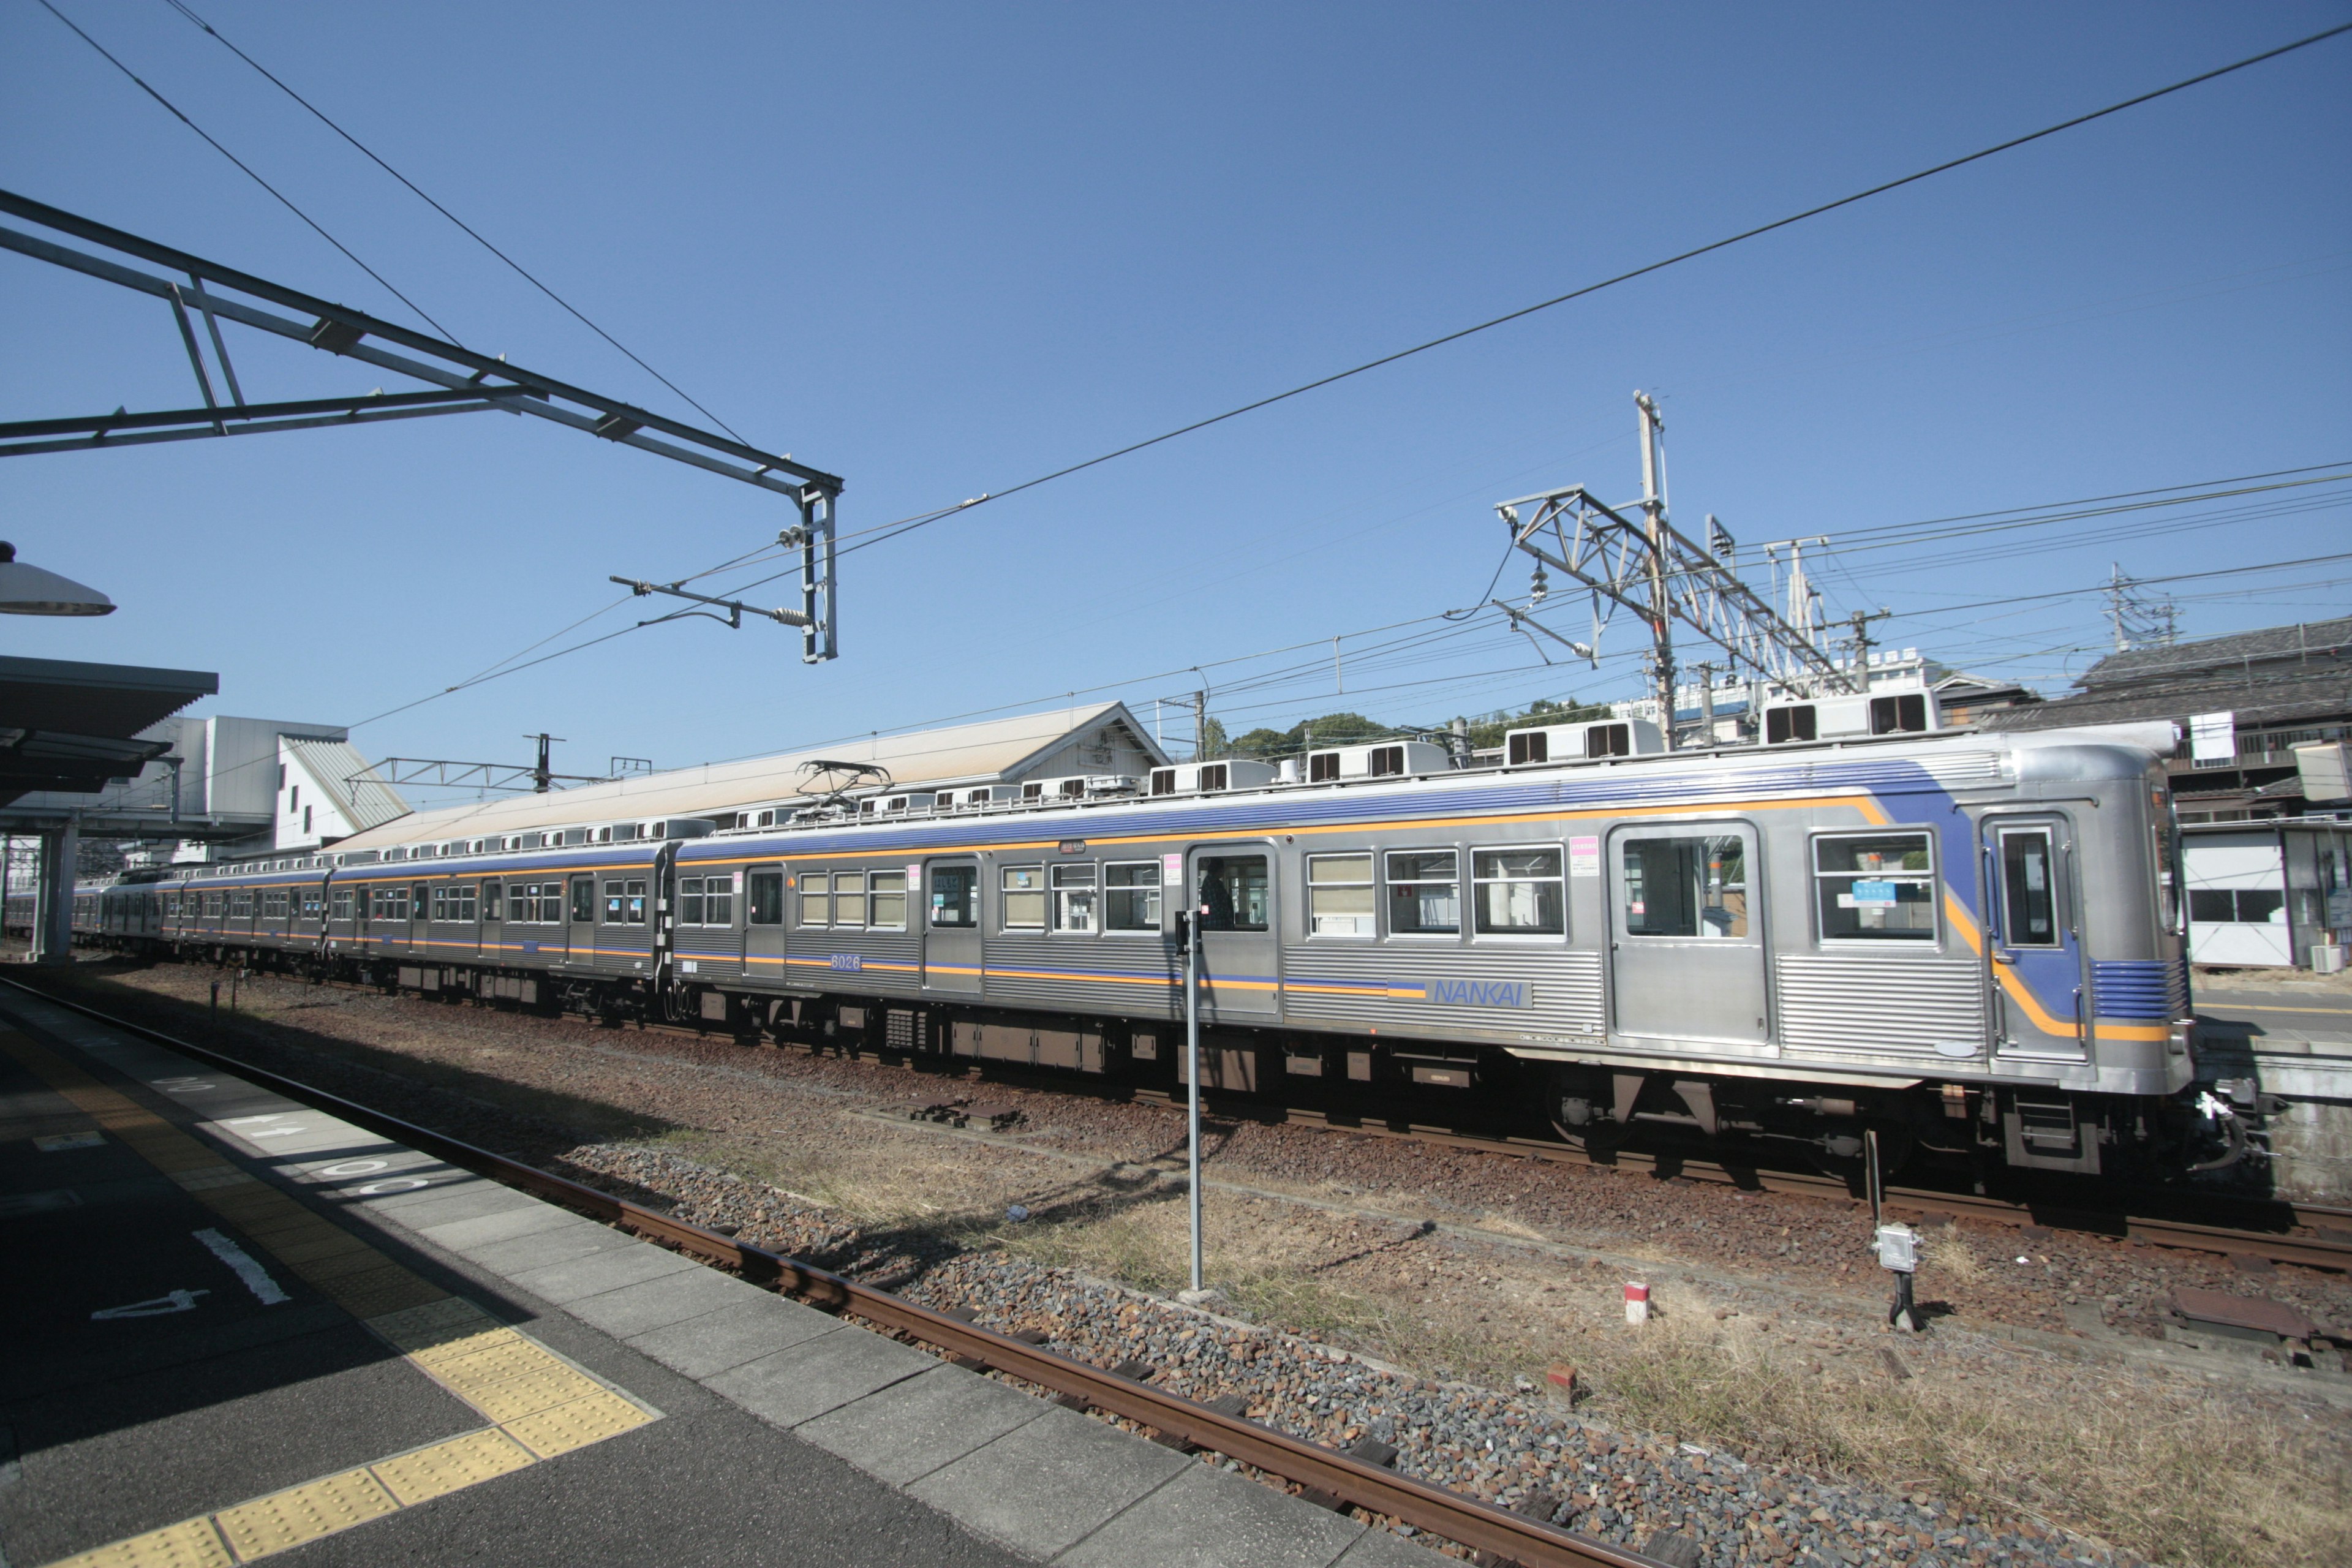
(191, 1543)
(543, 1387)
(601, 1415)
(462, 1461)
(206, 1181)
(484, 1359)
(306, 1512)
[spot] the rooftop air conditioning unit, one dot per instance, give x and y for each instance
(679, 827)
(980, 797)
(1389, 759)
(1583, 743)
(1912, 713)
(1208, 778)
(913, 802)
(1075, 787)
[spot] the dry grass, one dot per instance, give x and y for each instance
(2177, 1474)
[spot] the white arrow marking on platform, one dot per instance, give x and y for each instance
(157, 1307)
(257, 1278)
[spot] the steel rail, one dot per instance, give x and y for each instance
(2310, 1251)
(1339, 1477)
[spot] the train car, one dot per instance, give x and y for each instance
(1970, 944)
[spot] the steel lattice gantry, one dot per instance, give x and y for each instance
(460, 380)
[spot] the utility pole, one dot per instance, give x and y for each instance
(542, 778)
(1644, 564)
(1654, 518)
(1706, 704)
(1200, 726)
(1860, 638)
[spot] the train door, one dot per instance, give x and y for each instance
(2032, 937)
(1233, 906)
(1687, 940)
(952, 962)
(764, 922)
(581, 907)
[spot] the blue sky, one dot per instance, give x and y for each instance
(940, 249)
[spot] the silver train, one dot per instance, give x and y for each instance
(1970, 942)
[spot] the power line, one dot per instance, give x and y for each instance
(925, 520)
(2142, 581)
(282, 198)
(369, 153)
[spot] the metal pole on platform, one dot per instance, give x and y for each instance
(1190, 927)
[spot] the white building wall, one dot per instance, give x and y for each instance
(2251, 863)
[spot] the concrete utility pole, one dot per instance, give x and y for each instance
(1200, 726)
(1653, 520)
(1860, 638)
(1706, 704)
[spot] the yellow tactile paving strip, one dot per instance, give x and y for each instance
(540, 1405)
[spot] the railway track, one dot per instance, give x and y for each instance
(2307, 1234)
(1335, 1478)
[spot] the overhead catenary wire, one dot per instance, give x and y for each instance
(283, 199)
(925, 520)
(520, 271)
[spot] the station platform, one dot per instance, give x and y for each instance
(239, 1328)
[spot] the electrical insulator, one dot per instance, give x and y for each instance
(1539, 588)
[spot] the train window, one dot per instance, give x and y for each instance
(1425, 892)
(849, 898)
(887, 895)
(955, 896)
(493, 901)
(1876, 887)
(1131, 896)
(1518, 892)
(1685, 885)
(463, 905)
(343, 904)
(767, 898)
(240, 904)
(273, 904)
(584, 899)
(636, 907)
(616, 902)
(1024, 897)
(1234, 894)
(440, 903)
(2029, 890)
(707, 900)
(1073, 896)
(1340, 895)
(816, 899)
(418, 908)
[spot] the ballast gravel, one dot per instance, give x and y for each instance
(1522, 1449)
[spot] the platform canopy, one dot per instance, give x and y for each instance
(71, 728)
